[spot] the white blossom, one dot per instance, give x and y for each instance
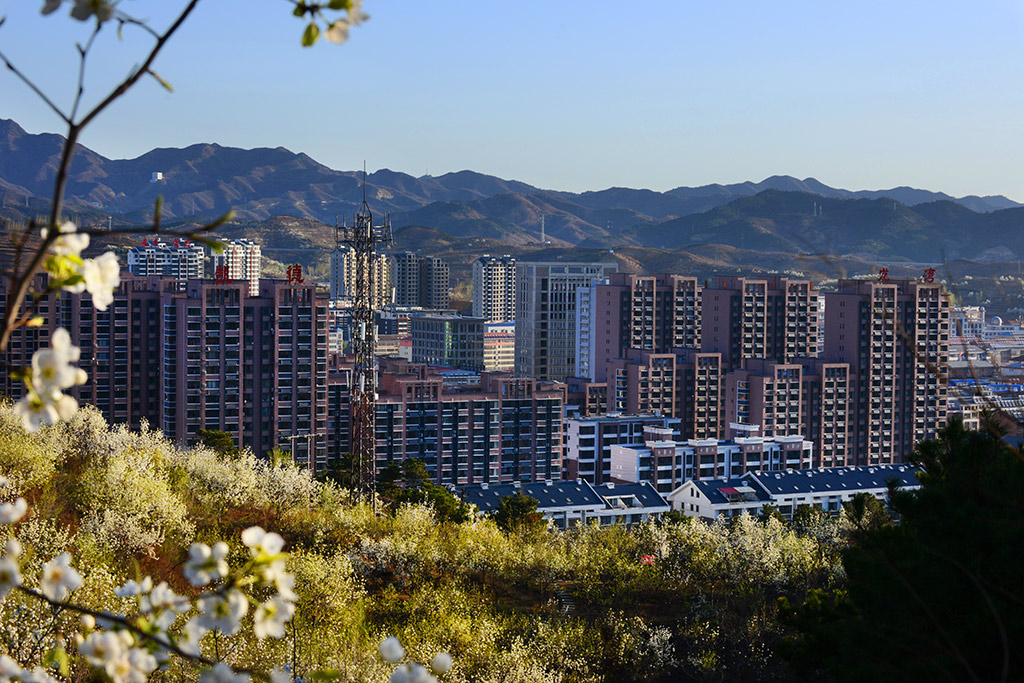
(12, 512)
(337, 31)
(120, 671)
(206, 564)
(37, 675)
(222, 673)
(223, 613)
(442, 663)
(10, 575)
(51, 371)
(102, 276)
(68, 241)
(391, 650)
(163, 597)
(132, 588)
(101, 647)
(356, 15)
(280, 676)
(64, 405)
(411, 673)
(9, 669)
(59, 577)
(271, 616)
(262, 542)
(61, 343)
(275, 574)
(13, 547)
(192, 633)
(35, 412)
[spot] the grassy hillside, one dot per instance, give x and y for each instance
(125, 504)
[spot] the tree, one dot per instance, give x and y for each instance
(769, 511)
(416, 489)
(517, 513)
(939, 595)
(219, 441)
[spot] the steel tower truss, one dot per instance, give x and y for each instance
(364, 237)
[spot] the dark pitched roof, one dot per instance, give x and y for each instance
(557, 494)
(836, 479)
(644, 492)
(713, 490)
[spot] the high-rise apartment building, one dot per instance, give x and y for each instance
(180, 259)
(700, 394)
(120, 347)
(494, 288)
(895, 338)
(642, 384)
(241, 260)
(343, 277)
(203, 356)
(405, 273)
(827, 404)
(419, 281)
(435, 283)
(766, 394)
(773, 318)
(546, 342)
(656, 313)
(450, 340)
(254, 367)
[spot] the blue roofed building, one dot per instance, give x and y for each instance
(568, 502)
(824, 487)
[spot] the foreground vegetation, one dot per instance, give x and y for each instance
(718, 602)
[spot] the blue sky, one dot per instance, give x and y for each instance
(573, 95)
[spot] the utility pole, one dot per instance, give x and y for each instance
(364, 237)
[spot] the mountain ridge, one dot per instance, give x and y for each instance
(206, 179)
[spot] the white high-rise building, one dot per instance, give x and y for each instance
(244, 261)
(343, 276)
(494, 288)
(180, 258)
(546, 343)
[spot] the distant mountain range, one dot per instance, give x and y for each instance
(779, 213)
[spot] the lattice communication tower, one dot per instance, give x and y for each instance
(364, 237)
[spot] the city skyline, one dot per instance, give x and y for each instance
(570, 98)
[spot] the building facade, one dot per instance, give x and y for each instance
(343, 277)
(254, 367)
(240, 260)
(180, 259)
(546, 340)
(449, 340)
(494, 288)
(656, 313)
(589, 441)
(420, 282)
(773, 318)
(895, 338)
(501, 430)
(667, 464)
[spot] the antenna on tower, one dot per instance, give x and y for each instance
(363, 237)
(542, 239)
